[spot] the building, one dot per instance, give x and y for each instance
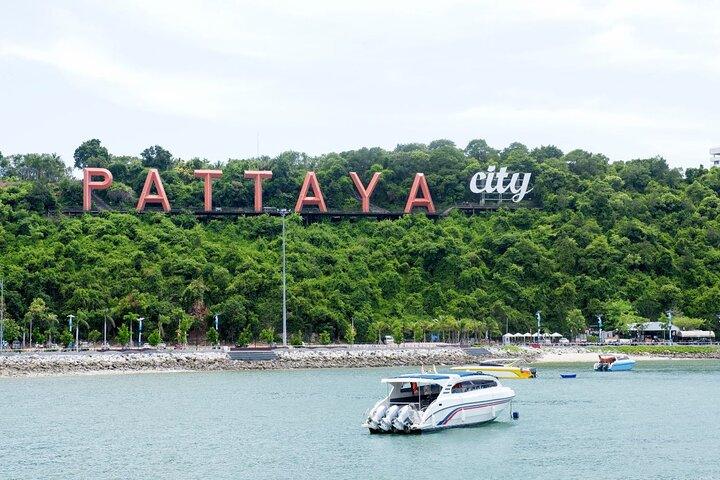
(651, 330)
(715, 152)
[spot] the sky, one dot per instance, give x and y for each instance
(219, 80)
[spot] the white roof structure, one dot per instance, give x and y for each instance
(715, 152)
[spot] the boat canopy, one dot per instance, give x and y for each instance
(432, 378)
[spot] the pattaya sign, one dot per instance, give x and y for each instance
(310, 192)
(494, 182)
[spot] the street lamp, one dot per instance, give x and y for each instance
(599, 317)
(537, 314)
(283, 213)
(70, 322)
(140, 320)
(669, 314)
(2, 313)
(217, 327)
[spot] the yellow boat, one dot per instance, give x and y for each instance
(500, 368)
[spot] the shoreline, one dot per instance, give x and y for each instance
(30, 365)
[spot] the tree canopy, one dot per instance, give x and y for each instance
(628, 240)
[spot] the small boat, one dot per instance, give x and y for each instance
(421, 402)
(500, 368)
(614, 363)
(568, 375)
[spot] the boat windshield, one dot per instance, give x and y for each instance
(470, 385)
(410, 393)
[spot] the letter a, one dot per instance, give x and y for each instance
(365, 193)
(304, 199)
(413, 200)
(89, 184)
(146, 197)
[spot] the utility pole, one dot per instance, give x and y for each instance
(283, 213)
(2, 314)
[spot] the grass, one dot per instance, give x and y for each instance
(659, 349)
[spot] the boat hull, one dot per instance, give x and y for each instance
(500, 371)
(619, 366)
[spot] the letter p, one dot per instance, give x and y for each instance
(89, 184)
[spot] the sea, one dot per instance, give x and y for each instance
(659, 421)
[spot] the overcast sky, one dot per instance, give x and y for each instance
(203, 78)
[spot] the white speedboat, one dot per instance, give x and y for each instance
(614, 363)
(431, 401)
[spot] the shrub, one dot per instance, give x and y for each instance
(154, 338)
(66, 338)
(94, 336)
(123, 335)
(213, 336)
(325, 338)
(244, 338)
(296, 339)
(267, 335)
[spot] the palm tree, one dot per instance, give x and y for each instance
(107, 318)
(162, 320)
(52, 322)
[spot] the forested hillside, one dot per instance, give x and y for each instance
(628, 240)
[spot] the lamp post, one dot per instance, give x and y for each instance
(140, 320)
(217, 327)
(669, 314)
(537, 314)
(2, 314)
(599, 317)
(70, 322)
(283, 213)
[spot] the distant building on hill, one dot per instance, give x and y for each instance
(715, 152)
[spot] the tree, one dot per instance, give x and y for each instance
(91, 154)
(575, 322)
(37, 314)
(156, 157)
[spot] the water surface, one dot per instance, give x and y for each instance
(659, 421)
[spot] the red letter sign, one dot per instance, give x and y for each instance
(89, 185)
(208, 175)
(317, 199)
(414, 201)
(365, 193)
(259, 176)
(145, 197)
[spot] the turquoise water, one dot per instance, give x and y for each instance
(661, 421)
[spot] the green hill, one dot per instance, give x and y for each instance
(628, 240)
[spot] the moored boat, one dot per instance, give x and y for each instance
(614, 363)
(500, 368)
(423, 402)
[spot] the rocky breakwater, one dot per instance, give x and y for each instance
(69, 363)
(349, 358)
(28, 364)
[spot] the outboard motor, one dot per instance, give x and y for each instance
(406, 417)
(376, 416)
(390, 414)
